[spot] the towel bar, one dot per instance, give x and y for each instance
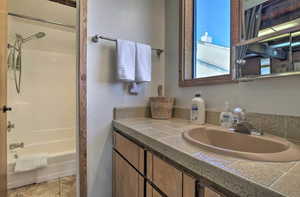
(96, 38)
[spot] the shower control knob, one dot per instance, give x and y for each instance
(6, 109)
(10, 126)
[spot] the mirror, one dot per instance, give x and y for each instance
(271, 40)
(207, 35)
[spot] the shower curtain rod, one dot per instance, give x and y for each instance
(40, 20)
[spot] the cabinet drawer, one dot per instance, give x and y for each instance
(131, 151)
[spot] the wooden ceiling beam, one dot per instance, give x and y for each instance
(277, 12)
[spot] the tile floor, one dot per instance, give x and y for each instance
(62, 187)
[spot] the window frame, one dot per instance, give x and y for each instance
(186, 45)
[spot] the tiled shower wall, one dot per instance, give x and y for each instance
(44, 111)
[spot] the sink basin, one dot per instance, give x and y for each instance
(258, 148)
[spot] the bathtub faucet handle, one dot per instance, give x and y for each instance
(5, 109)
(10, 126)
(16, 145)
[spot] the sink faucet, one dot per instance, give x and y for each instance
(241, 125)
(247, 128)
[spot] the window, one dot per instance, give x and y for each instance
(207, 35)
(212, 38)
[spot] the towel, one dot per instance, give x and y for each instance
(143, 63)
(126, 57)
(31, 162)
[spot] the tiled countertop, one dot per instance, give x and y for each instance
(242, 177)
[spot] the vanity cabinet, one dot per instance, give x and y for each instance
(127, 182)
(189, 186)
(128, 168)
(208, 189)
(140, 173)
(210, 193)
(151, 192)
(167, 178)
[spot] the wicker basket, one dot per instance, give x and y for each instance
(161, 107)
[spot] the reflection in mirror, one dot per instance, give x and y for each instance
(271, 45)
(279, 15)
(212, 39)
(296, 51)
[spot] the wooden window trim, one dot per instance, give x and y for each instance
(82, 96)
(186, 25)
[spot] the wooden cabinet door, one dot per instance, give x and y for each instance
(210, 193)
(189, 186)
(151, 192)
(167, 178)
(126, 180)
(131, 151)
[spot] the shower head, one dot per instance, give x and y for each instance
(35, 36)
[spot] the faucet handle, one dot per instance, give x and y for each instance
(239, 115)
(10, 126)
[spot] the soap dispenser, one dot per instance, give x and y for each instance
(226, 117)
(198, 110)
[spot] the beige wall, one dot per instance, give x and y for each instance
(138, 20)
(275, 96)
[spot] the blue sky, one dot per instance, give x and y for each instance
(213, 16)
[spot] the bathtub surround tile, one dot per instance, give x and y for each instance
(62, 187)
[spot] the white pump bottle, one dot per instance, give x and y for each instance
(198, 111)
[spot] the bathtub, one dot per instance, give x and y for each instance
(61, 163)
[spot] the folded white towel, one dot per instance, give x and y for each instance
(143, 63)
(126, 52)
(31, 162)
